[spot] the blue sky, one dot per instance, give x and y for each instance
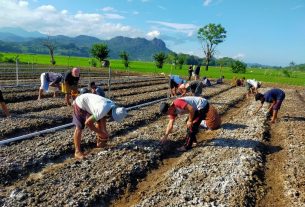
(268, 32)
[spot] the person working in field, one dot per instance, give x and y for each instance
(195, 87)
(3, 105)
(175, 82)
(220, 80)
(198, 109)
(92, 110)
(70, 84)
(206, 82)
(190, 72)
(252, 86)
(275, 97)
(96, 89)
(49, 79)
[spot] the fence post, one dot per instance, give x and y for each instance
(109, 82)
(17, 72)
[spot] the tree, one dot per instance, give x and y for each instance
(238, 67)
(125, 58)
(159, 59)
(181, 60)
(210, 36)
(100, 52)
(51, 46)
(172, 58)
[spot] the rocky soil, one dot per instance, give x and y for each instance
(229, 166)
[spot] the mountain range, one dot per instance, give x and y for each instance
(17, 40)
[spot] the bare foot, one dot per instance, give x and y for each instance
(79, 155)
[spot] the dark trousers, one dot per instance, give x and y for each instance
(191, 132)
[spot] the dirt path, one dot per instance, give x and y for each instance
(285, 182)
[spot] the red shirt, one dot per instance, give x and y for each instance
(179, 104)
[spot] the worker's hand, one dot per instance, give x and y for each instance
(163, 140)
(103, 135)
(189, 124)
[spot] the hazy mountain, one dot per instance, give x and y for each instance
(21, 41)
(21, 32)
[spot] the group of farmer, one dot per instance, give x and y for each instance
(92, 109)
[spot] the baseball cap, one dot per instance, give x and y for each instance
(164, 107)
(119, 113)
(75, 72)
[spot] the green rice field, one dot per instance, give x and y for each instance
(264, 75)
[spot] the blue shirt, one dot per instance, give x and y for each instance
(100, 92)
(177, 79)
(274, 94)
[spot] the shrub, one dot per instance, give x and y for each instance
(238, 67)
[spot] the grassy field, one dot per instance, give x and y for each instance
(264, 75)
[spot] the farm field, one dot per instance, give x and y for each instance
(260, 74)
(247, 162)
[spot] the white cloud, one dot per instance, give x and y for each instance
(48, 20)
(113, 16)
(152, 34)
(135, 13)
(207, 2)
(23, 3)
(108, 9)
(187, 29)
(239, 56)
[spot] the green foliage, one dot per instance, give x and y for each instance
(181, 60)
(224, 62)
(172, 58)
(159, 59)
(238, 67)
(286, 73)
(210, 36)
(125, 58)
(92, 62)
(100, 51)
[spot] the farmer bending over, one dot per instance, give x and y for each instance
(175, 82)
(49, 79)
(92, 110)
(275, 97)
(196, 108)
(252, 86)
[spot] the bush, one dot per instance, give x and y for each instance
(286, 73)
(238, 67)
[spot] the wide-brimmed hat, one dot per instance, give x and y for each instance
(119, 113)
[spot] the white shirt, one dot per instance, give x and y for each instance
(253, 82)
(95, 105)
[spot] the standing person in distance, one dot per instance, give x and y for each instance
(49, 79)
(92, 110)
(275, 97)
(190, 71)
(70, 84)
(197, 72)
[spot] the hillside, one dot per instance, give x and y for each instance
(138, 48)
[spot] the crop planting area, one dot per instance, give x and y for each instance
(247, 162)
